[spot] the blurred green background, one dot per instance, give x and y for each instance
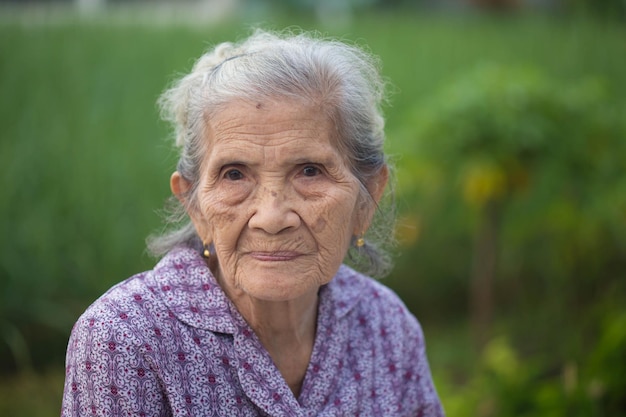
(507, 127)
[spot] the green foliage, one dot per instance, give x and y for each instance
(614, 9)
(510, 134)
(32, 395)
(505, 383)
(552, 156)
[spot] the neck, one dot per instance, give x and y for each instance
(292, 319)
(286, 330)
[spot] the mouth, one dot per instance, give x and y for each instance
(277, 256)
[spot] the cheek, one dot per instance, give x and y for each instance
(332, 223)
(218, 219)
(319, 225)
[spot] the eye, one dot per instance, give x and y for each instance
(233, 174)
(310, 171)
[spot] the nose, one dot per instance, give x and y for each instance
(274, 212)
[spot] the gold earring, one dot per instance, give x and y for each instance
(206, 253)
(360, 242)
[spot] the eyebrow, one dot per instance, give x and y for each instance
(325, 160)
(232, 155)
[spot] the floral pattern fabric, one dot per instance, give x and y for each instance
(168, 342)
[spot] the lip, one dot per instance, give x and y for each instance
(275, 256)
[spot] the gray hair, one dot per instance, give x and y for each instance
(342, 78)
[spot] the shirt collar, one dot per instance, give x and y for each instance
(185, 284)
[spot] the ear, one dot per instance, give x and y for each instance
(376, 188)
(377, 185)
(179, 186)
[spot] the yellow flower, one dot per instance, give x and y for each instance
(483, 182)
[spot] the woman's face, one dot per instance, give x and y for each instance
(276, 199)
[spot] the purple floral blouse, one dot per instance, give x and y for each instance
(168, 342)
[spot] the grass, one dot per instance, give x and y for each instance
(32, 394)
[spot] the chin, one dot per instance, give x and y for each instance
(279, 293)
(274, 284)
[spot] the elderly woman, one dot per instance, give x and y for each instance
(250, 310)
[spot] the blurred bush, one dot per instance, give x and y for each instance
(613, 9)
(504, 382)
(537, 167)
(527, 171)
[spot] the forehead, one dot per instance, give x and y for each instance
(281, 127)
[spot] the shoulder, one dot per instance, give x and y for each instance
(359, 293)
(153, 305)
(128, 296)
(372, 310)
(111, 352)
(122, 315)
(141, 300)
(383, 343)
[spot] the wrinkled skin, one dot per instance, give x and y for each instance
(280, 205)
(277, 199)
